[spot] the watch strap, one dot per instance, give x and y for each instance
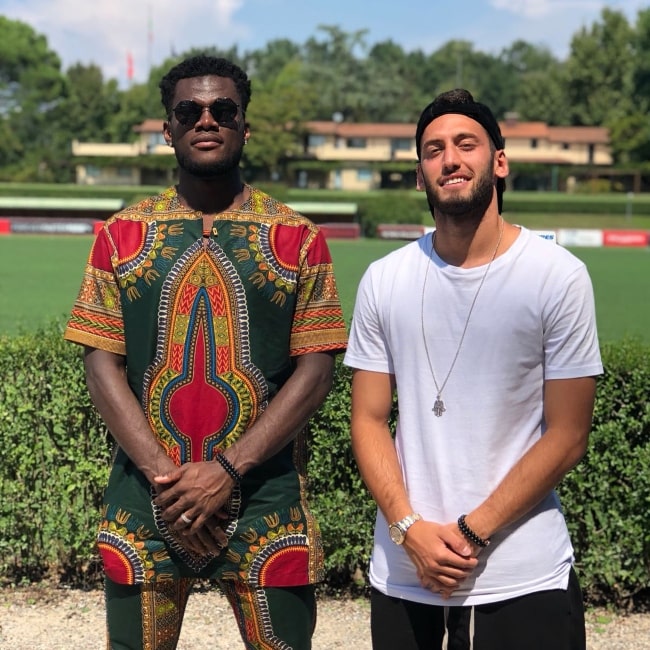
(407, 522)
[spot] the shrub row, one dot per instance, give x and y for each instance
(373, 208)
(55, 458)
(56, 455)
(606, 498)
(394, 206)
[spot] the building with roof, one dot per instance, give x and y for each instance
(349, 156)
(370, 156)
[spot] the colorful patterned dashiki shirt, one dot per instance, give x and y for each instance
(209, 327)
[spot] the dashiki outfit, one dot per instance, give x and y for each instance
(209, 327)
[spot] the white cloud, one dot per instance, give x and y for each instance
(553, 23)
(535, 8)
(105, 31)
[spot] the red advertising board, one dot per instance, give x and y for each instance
(625, 238)
(340, 230)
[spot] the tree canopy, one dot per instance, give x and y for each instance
(604, 81)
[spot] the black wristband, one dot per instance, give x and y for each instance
(470, 534)
(228, 466)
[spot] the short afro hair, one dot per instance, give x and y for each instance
(203, 65)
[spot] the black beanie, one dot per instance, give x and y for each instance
(461, 102)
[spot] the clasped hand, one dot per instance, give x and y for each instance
(442, 556)
(192, 499)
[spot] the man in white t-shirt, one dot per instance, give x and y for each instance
(486, 333)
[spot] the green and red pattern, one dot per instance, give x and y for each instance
(209, 327)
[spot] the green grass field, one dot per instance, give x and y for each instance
(40, 277)
(621, 279)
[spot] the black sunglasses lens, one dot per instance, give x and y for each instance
(224, 111)
(187, 112)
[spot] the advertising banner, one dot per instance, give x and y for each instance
(625, 238)
(579, 237)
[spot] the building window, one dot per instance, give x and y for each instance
(315, 141)
(402, 144)
(364, 175)
(93, 171)
(156, 139)
(533, 143)
(355, 143)
(566, 146)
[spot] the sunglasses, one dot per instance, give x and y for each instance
(223, 110)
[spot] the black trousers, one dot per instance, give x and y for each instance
(546, 620)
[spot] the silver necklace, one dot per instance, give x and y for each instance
(439, 406)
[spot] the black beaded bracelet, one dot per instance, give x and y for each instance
(470, 534)
(228, 466)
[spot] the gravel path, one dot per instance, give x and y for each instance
(40, 619)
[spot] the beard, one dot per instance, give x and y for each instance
(468, 208)
(207, 170)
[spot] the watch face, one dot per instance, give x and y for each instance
(396, 534)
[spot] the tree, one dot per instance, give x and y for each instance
(604, 82)
(537, 89)
(453, 65)
(523, 57)
(11, 150)
(395, 93)
(276, 116)
(29, 70)
(631, 134)
(541, 97)
(31, 85)
(342, 77)
(86, 111)
(272, 59)
(458, 65)
(137, 103)
(599, 71)
(630, 137)
(641, 76)
(494, 83)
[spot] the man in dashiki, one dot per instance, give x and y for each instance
(210, 320)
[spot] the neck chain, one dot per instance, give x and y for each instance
(439, 406)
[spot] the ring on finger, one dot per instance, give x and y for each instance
(185, 518)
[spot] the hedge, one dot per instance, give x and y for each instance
(606, 498)
(55, 459)
(56, 456)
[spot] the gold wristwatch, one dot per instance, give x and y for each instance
(397, 531)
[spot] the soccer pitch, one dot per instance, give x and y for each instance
(40, 277)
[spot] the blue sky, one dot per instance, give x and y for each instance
(104, 32)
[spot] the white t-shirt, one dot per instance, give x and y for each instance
(533, 320)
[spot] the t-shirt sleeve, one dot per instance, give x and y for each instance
(96, 318)
(570, 335)
(368, 347)
(318, 324)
